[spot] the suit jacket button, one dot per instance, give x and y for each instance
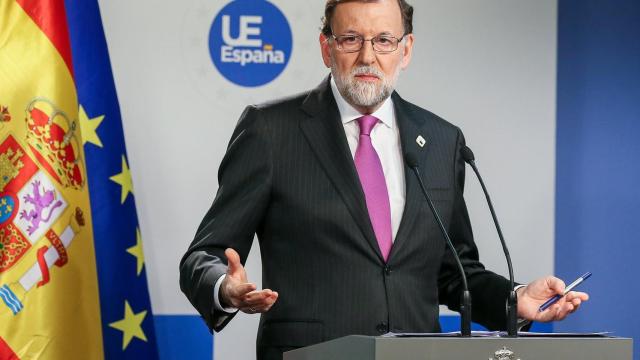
(387, 270)
(382, 328)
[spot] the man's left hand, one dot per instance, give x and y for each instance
(539, 291)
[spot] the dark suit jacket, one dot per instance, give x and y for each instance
(288, 175)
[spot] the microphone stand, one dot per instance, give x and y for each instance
(465, 306)
(512, 300)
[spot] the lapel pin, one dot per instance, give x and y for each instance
(421, 141)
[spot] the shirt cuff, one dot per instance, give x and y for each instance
(521, 322)
(216, 297)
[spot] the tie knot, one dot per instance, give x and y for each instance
(367, 123)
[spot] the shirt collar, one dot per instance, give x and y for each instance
(348, 113)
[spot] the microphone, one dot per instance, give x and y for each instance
(465, 303)
(512, 302)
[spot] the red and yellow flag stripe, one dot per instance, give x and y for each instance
(46, 230)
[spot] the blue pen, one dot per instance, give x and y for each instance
(571, 286)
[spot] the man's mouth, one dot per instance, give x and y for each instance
(367, 77)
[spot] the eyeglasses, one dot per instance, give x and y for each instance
(382, 44)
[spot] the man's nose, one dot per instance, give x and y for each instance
(367, 56)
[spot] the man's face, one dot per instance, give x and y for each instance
(366, 78)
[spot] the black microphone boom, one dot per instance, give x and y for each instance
(465, 305)
(512, 302)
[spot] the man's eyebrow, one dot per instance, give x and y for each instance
(350, 32)
(353, 32)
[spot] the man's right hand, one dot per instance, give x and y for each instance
(237, 292)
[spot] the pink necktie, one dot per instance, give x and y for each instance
(373, 183)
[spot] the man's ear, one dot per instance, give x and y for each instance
(407, 50)
(325, 48)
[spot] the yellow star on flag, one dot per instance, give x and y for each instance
(124, 179)
(136, 251)
(130, 325)
(89, 127)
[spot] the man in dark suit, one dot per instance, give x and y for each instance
(348, 244)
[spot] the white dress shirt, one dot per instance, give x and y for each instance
(385, 138)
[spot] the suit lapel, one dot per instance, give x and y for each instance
(411, 126)
(325, 134)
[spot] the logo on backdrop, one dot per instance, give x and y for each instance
(250, 42)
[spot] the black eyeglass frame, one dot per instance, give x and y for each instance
(362, 41)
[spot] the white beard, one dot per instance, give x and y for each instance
(362, 93)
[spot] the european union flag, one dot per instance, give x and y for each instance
(127, 320)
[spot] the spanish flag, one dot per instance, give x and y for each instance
(72, 276)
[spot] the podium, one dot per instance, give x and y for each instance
(358, 347)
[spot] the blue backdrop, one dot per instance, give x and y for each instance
(598, 171)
